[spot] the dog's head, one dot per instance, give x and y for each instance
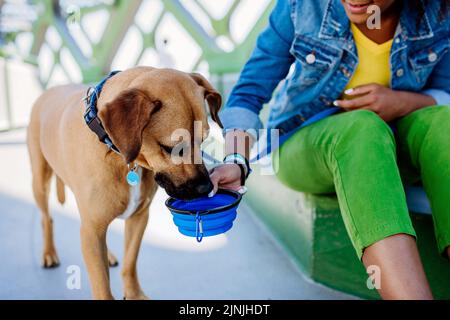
(152, 123)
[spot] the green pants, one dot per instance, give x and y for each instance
(358, 156)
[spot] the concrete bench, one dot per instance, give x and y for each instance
(311, 229)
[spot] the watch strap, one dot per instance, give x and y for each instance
(239, 159)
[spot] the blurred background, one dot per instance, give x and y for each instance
(49, 42)
(45, 43)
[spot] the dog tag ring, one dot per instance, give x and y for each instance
(133, 178)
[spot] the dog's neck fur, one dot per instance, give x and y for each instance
(135, 198)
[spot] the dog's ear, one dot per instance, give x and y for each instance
(212, 96)
(125, 119)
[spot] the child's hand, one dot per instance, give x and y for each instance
(227, 176)
(387, 103)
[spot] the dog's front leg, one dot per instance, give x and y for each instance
(134, 231)
(95, 253)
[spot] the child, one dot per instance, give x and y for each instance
(396, 73)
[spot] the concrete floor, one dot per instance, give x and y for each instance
(245, 263)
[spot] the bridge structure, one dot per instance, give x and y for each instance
(61, 33)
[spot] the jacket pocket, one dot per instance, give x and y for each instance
(424, 60)
(314, 58)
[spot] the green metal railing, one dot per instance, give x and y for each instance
(58, 15)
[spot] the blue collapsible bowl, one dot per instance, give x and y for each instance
(205, 217)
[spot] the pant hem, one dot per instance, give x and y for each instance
(381, 233)
(443, 243)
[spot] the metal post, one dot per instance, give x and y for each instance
(9, 116)
(121, 18)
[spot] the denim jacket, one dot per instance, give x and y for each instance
(315, 37)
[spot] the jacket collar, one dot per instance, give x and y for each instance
(408, 23)
(335, 24)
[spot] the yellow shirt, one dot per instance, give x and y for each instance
(373, 66)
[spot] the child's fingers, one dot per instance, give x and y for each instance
(243, 190)
(363, 89)
(354, 103)
(215, 178)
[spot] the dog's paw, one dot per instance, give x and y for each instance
(50, 260)
(138, 296)
(112, 260)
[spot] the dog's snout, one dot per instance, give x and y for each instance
(191, 189)
(204, 188)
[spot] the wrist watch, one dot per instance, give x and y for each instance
(242, 162)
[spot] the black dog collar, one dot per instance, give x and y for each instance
(90, 116)
(93, 122)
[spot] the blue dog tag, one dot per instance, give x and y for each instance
(133, 178)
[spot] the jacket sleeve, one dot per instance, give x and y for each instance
(268, 65)
(438, 84)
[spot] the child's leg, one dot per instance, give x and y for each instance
(354, 153)
(424, 144)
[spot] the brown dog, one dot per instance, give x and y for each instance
(139, 109)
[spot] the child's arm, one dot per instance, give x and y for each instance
(387, 103)
(390, 104)
(267, 66)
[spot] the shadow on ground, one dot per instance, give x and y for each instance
(245, 263)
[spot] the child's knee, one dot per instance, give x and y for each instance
(365, 127)
(436, 121)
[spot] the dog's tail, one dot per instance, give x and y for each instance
(60, 190)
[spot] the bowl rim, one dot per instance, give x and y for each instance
(236, 194)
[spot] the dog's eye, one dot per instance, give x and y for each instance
(178, 149)
(166, 148)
